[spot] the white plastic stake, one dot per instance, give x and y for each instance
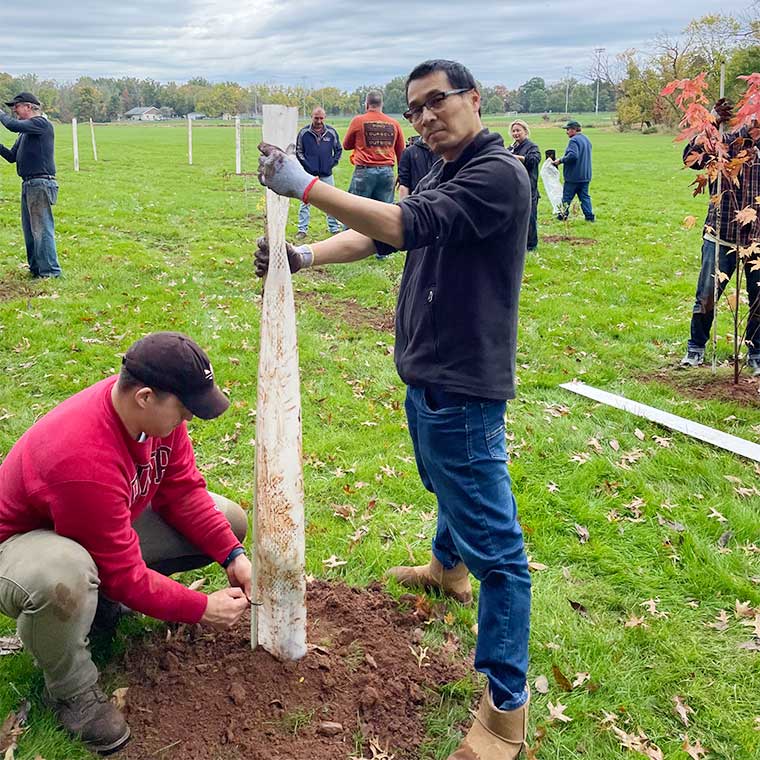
(75, 143)
(189, 140)
(237, 145)
(279, 623)
(718, 438)
(94, 145)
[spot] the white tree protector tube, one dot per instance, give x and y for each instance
(279, 622)
(552, 185)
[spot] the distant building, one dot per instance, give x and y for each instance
(196, 115)
(141, 113)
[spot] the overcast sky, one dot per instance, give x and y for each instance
(333, 42)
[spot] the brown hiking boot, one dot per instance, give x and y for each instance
(454, 582)
(495, 734)
(93, 719)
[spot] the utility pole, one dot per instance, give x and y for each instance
(567, 90)
(598, 51)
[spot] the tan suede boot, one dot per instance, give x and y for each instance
(454, 582)
(495, 734)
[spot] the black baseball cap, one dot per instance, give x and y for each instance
(572, 125)
(23, 97)
(170, 361)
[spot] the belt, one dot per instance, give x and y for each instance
(38, 176)
(373, 166)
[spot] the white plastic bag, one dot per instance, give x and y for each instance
(552, 185)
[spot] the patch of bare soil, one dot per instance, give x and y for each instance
(206, 695)
(12, 287)
(568, 239)
(349, 311)
(700, 382)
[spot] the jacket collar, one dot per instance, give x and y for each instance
(484, 139)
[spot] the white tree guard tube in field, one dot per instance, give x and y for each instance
(552, 185)
(279, 623)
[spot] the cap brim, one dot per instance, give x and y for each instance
(208, 404)
(10, 102)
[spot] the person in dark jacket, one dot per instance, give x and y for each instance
(577, 171)
(465, 230)
(33, 154)
(416, 161)
(319, 149)
(528, 153)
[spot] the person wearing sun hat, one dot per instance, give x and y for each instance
(33, 153)
(100, 500)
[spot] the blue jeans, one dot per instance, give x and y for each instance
(704, 307)
(376, 182)
(38, 196)
(460, 447)
(569, 191)
(304, 212)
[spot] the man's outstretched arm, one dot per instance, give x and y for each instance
(283, 174)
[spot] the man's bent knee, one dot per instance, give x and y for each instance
(235, 514)
(59, 573)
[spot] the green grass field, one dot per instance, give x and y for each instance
(149, 243)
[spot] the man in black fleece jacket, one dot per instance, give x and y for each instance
(465, 229)
(33, 154)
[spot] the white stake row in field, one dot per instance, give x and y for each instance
(75, 143)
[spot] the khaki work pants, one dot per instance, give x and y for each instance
(49, 585)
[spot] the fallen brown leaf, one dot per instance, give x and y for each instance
(557, 712)
(744, 609)
(13, 726)
(119, 697)
(694, 751)
(580, 679)
(541, 685)
(562, 680)
(583, 534)
(682, 710)
(721, 622)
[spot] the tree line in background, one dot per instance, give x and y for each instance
(631, 84)
(107, 99)
(703, 46)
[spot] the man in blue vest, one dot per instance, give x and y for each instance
(577, 172)
(319, 149)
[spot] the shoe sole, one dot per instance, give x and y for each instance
(109, 749)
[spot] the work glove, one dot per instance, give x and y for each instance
(282, 172)
(300, 257)
(723, 111)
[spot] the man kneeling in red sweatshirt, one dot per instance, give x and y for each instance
(102, 497)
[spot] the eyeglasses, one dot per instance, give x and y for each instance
(434, 103)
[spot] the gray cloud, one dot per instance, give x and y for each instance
(336, 42)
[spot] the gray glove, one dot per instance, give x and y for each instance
(298, 258)
(282, 172)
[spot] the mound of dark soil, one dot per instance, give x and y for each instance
(568, 239)
(206, 695)
(702, 383)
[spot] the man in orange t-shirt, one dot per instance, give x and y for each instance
(377, 143)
